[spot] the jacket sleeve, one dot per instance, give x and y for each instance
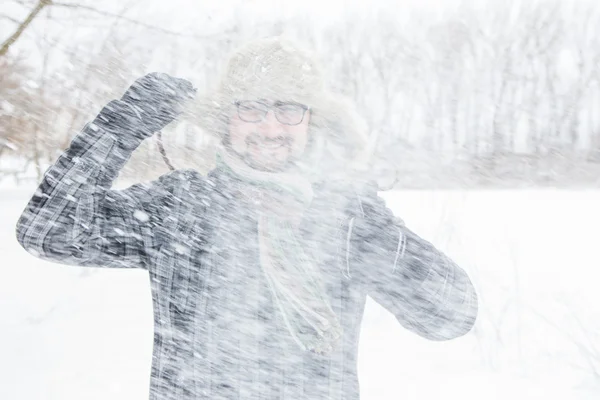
(425, 290)
(75, 218)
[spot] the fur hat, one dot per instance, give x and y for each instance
(275, 68)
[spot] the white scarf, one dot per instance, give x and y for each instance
(292, 274)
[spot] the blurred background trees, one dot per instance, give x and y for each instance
(501, 93)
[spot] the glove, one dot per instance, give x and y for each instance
(157, 100)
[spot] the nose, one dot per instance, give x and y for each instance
(269, 127)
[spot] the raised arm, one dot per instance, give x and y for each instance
(74, 217)
(425, 290)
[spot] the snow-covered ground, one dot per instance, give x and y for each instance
(74, 333)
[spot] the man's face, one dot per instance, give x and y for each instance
(269, 134)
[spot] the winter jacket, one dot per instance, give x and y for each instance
(217, 334)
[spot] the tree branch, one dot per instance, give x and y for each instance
(43, 3)
(13, 38)
(11, 19)
(130, 20)
(22, 2)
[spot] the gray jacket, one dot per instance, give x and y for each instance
(216, 333)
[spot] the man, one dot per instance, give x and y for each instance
(260, 270)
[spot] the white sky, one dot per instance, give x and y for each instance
(211, 15)
(189, 16)
(177, 13)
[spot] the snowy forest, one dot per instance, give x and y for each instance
(475, 93)
(483, 119)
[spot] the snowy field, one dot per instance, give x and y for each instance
(73, 333)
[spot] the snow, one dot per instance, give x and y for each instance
(86, 333)
(141, 216)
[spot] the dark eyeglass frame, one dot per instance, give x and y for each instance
(271, 106)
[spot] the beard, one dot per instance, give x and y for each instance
(268, 154)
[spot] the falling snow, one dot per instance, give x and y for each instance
(290, 181)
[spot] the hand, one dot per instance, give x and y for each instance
(158, 99)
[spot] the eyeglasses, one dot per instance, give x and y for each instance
(287, 113)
